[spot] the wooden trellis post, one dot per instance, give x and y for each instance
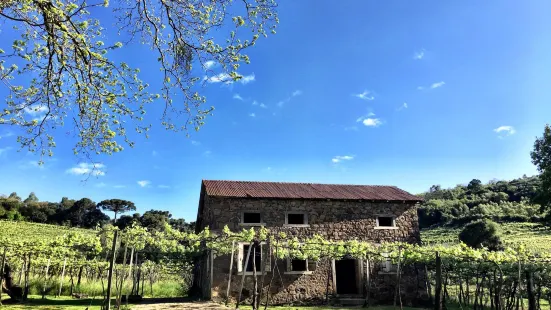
(110, 273)
(230, 272)
(62, 276)
(2, 272)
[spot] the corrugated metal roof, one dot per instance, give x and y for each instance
(306, 191)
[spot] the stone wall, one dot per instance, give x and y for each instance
(335, 220)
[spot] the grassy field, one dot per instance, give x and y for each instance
(532, 235)
(36, 231)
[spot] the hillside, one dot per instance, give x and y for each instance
(27, 231)
(501, 201)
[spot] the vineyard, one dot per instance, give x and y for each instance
(126, 264)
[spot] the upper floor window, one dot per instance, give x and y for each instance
(251, 218)
(296, 219)
(386, 222)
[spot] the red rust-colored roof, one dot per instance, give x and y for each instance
(306, 191)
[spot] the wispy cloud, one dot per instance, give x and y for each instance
(226, 79)
(144, 183)
(85, 168)
(154, 153)
(505, 131)
(403, 106)
(366, 95)
(338, 159)
(209, 64)
(36, 110)
(297, 92)
(238, 97)
(419, 54)
(437, 84)
(351, 128)
(255, 102)
(101, 184)
(262, 105)
(4, 150)
(432, 86)
(163, 186)
(193, 142)
(119, 186)
(361, 118)
(252, 115)
(31, 164)
(207, 153)
(6, 134)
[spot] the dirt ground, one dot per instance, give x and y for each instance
(182, 306)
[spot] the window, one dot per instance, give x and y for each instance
(387, 266)
(300, 266)
(251, 219)
(259, 255)
(296, 219)
(386, 221)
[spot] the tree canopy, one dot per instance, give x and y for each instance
(60, 68)
(541, 157)
(117, 206)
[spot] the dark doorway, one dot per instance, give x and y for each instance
(345, 270)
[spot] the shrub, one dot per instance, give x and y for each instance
(482, 233)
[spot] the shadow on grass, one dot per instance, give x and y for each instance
(98, 301)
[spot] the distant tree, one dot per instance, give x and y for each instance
(182, 225)
(541, 157)
(482, 233)
(475, 186)
(127, 220)
(85, 213)
(155, 219)
(117, 206)
(14, 196)
(32, 198)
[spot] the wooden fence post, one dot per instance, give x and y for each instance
(530, 290)
(367, 281)
(2, 272)
(230, 272)
(438, 284)
(243, 276)
(62, 276)
(46, 278)
(110, 272)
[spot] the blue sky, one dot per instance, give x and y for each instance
(406, 93)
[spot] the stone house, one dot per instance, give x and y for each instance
(337, 212)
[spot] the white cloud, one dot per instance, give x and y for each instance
(85, 168)
(419, 54)
(36, 110)
(281, 103)
(119, 186)
(338, 159)
(372, 122)
(209, 64)
(163, 186)
(193, 142)
(144, 183)
(226, 79)
(100, 185)
(246, 79)
(255, 102)
(297, 92)
(506, 130)
(31, 164)
(420, 87)
(236, 96)
(437, 84)
(154, 153)
(207, 153)
(252, 115)
(366, 95)
(361, 118)
(262, 105)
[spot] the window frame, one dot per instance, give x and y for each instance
(267, 261)
(393, 217)
(387, 267)
(290, 271)
(306, 222)
(242, 219)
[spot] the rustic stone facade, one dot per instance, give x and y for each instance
(332, 219)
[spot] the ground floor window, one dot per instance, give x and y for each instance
(259, 256)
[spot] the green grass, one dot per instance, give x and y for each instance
(532, 235)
